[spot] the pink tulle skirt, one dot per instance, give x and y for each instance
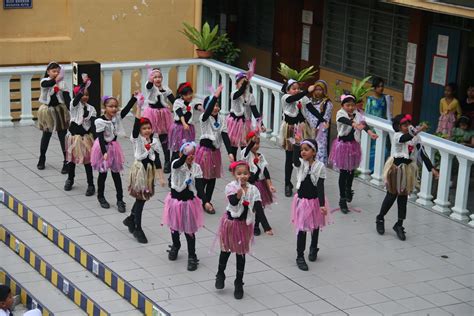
(265, 193)
(177, 135)
(306, 214)
(115, 159)
(183, 216)
(446, 124)
(237, 129)
(345, 155)
(210, 162)
(234, 235)
(161, 119)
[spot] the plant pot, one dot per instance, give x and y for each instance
(204, 53)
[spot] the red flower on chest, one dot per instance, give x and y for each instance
(188, 108)
(245, 203)
(56, 89)
(299, 105)
(410, 148)
(256, 160)
(147, 146)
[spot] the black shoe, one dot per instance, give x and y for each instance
(103, 202)
(380, 223)
(140, 236)
(41, 163)
(220, 280)
(313, 254)
(301, 263)
(349, 195)
(193, 263)
(172, 253)
(238, 289)
(256, 231)
(167, 168)
(400, 231)
(129, 221)
(288, 190)
(121, 206)
(65, 168)
(90, 190)
(343, 206)
(68, 185)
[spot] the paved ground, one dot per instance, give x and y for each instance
(358, 272)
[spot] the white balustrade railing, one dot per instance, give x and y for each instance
(267, 93)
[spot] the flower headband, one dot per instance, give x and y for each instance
(346, 96)
(310, 144)
(240, 75)
(105, 98)
(185, 145)
(406, 118)
(289, 83)
(184, 85)
(144, 120)
(235, 164)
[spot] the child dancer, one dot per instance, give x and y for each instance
(182, 130)
(183, 210)
(53, 114)
(242, 107)
(158, 111)
(208, 154)
(294, 103)
(236, 225)
(450, 110)
(308, 210)
(81, 137)
(346, 152)
(400, 172)
(323, 104)
(142, 173)
(260, 177)
(107, 154)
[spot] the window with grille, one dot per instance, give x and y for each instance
(366, 37)
(255, 21)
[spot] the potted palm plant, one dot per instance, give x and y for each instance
(206, 40)
(300, 76)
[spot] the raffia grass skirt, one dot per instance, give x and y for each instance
(400, 179)
(78, 148)
(141, 180)
(53, 118)
(287, 132)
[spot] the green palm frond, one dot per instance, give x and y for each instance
(206, 39)
(358, 90)
(300, 76)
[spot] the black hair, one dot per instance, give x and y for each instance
(348, 98)
(377, 81)
(52, 65)
(4, 291)
(396, 122)
(312, 141)
(285, 86)
(453, 86)
(464, 120)
(183, 89)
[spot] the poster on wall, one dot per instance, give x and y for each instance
(442, 46)
(17, 4)
(410, 72)
(439, 70)
(407, 92)
(411, 53)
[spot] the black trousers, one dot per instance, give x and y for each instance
(346, 177)
(301, 241)
(117, 181)
(137, 210)
(45, 143)
(164, 145)
(388, 201)
(87, 167)
(209, 185)
(261, 218)
(224, 257)
(190, 239)
(233, 151)
(288, 167)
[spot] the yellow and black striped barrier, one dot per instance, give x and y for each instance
(26, 299)
(88, 261)
(49, 273)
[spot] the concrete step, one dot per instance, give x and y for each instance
(42, 290)
(74, 272)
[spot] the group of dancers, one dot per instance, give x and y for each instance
(164, 124)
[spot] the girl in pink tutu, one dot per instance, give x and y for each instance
(346, 152)
(107, 154)
(147, 164)
(260, 177)
(243, 105)
(158, 111)
(182, 130)
(236, 225)
(80, 137)
(449, 109)
(208, 153)
(183, 209)
(308, 210)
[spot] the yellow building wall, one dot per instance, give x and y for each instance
(331, 77)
